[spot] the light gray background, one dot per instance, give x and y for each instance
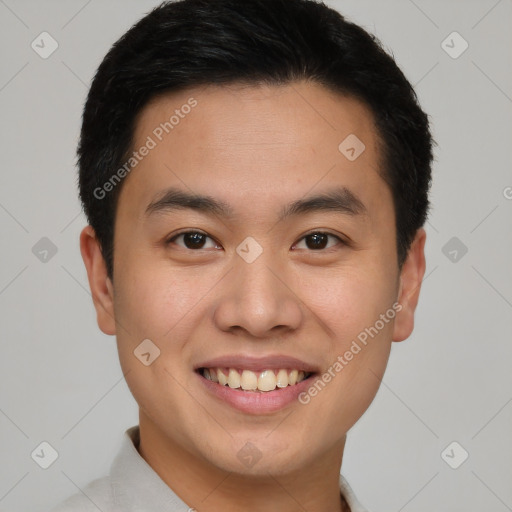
(451, 381)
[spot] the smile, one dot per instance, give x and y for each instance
(255, 385)
(255, 381)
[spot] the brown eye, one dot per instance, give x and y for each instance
(193, 240)
(318, 241)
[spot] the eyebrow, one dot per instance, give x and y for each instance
(339, 199)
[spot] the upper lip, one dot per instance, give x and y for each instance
(270, 362)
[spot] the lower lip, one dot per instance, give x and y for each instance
(257, 402)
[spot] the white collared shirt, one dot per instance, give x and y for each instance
(133, 486)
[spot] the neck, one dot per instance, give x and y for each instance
(206, 487)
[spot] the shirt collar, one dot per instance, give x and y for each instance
(136, 487)
(135, 484)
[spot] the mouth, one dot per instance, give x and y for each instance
(256, 386)
(263, 381)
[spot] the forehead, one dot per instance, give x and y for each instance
(237, 143)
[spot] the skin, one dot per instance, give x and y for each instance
(256, 148)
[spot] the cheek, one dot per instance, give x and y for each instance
(152, 298)
(358, 351)
(348, 300)
(357, 307)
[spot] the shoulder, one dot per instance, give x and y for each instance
(97, 495)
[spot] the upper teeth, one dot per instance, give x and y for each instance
(267, 380)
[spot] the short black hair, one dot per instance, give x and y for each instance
(189, 43)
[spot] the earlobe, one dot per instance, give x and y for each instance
(100, 284)
(411, 277)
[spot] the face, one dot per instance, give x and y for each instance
(251, 248)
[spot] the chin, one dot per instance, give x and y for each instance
(260, 456)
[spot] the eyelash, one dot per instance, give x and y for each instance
(340, 240)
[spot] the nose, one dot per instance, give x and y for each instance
(257, 299)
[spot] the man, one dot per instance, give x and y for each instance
(255, 174)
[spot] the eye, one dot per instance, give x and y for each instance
(318, 241)
(193, 240)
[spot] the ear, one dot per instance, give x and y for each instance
(100, 284)
(411, 277)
